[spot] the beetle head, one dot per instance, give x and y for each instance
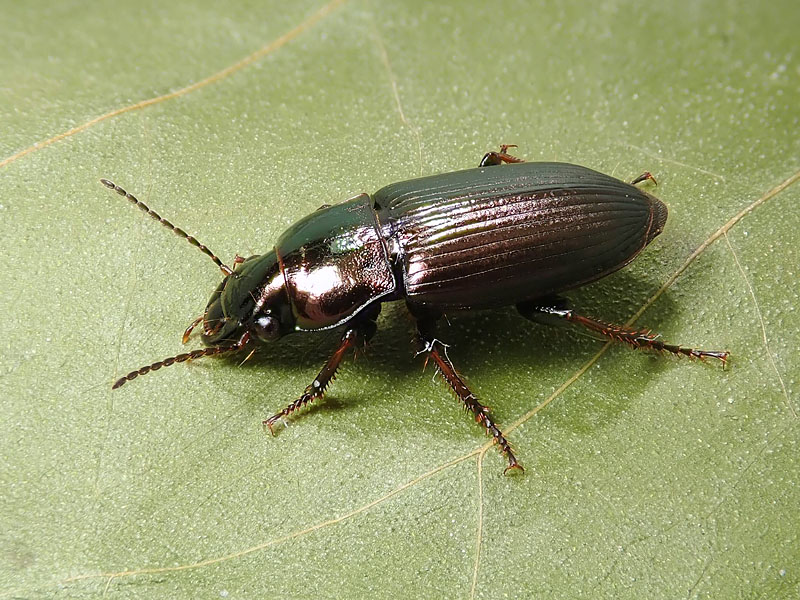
(251, 299)
(251, 302)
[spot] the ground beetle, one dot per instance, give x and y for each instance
(475, 239)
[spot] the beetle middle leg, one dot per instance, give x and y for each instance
(548, 309)
(357, 335)
(426, 326)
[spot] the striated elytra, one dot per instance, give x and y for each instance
(482, 238)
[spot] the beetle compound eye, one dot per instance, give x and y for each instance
(267, 328)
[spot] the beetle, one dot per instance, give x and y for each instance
(509, 232)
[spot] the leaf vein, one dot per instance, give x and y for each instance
(479, 451)
(229, 70)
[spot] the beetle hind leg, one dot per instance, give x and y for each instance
(431, 346)
(647, 175)
(557, 308)
(498, 158)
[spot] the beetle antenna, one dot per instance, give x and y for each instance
(181, 358)
(177, 230)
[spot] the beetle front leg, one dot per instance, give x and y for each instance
(557, 307)
(354, 337)
(431, 346)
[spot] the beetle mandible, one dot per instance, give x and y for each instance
(481, 238)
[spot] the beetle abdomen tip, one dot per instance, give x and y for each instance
(660, 214)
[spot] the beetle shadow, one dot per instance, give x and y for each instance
(480, 343)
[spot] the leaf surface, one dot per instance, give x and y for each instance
(645, 476)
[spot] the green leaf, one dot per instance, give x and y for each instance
(646, 476)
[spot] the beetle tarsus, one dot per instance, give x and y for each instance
(268, 424)
(430, 346)
(636, 338)
(498, 158)
(309, 395)
(514, 466)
